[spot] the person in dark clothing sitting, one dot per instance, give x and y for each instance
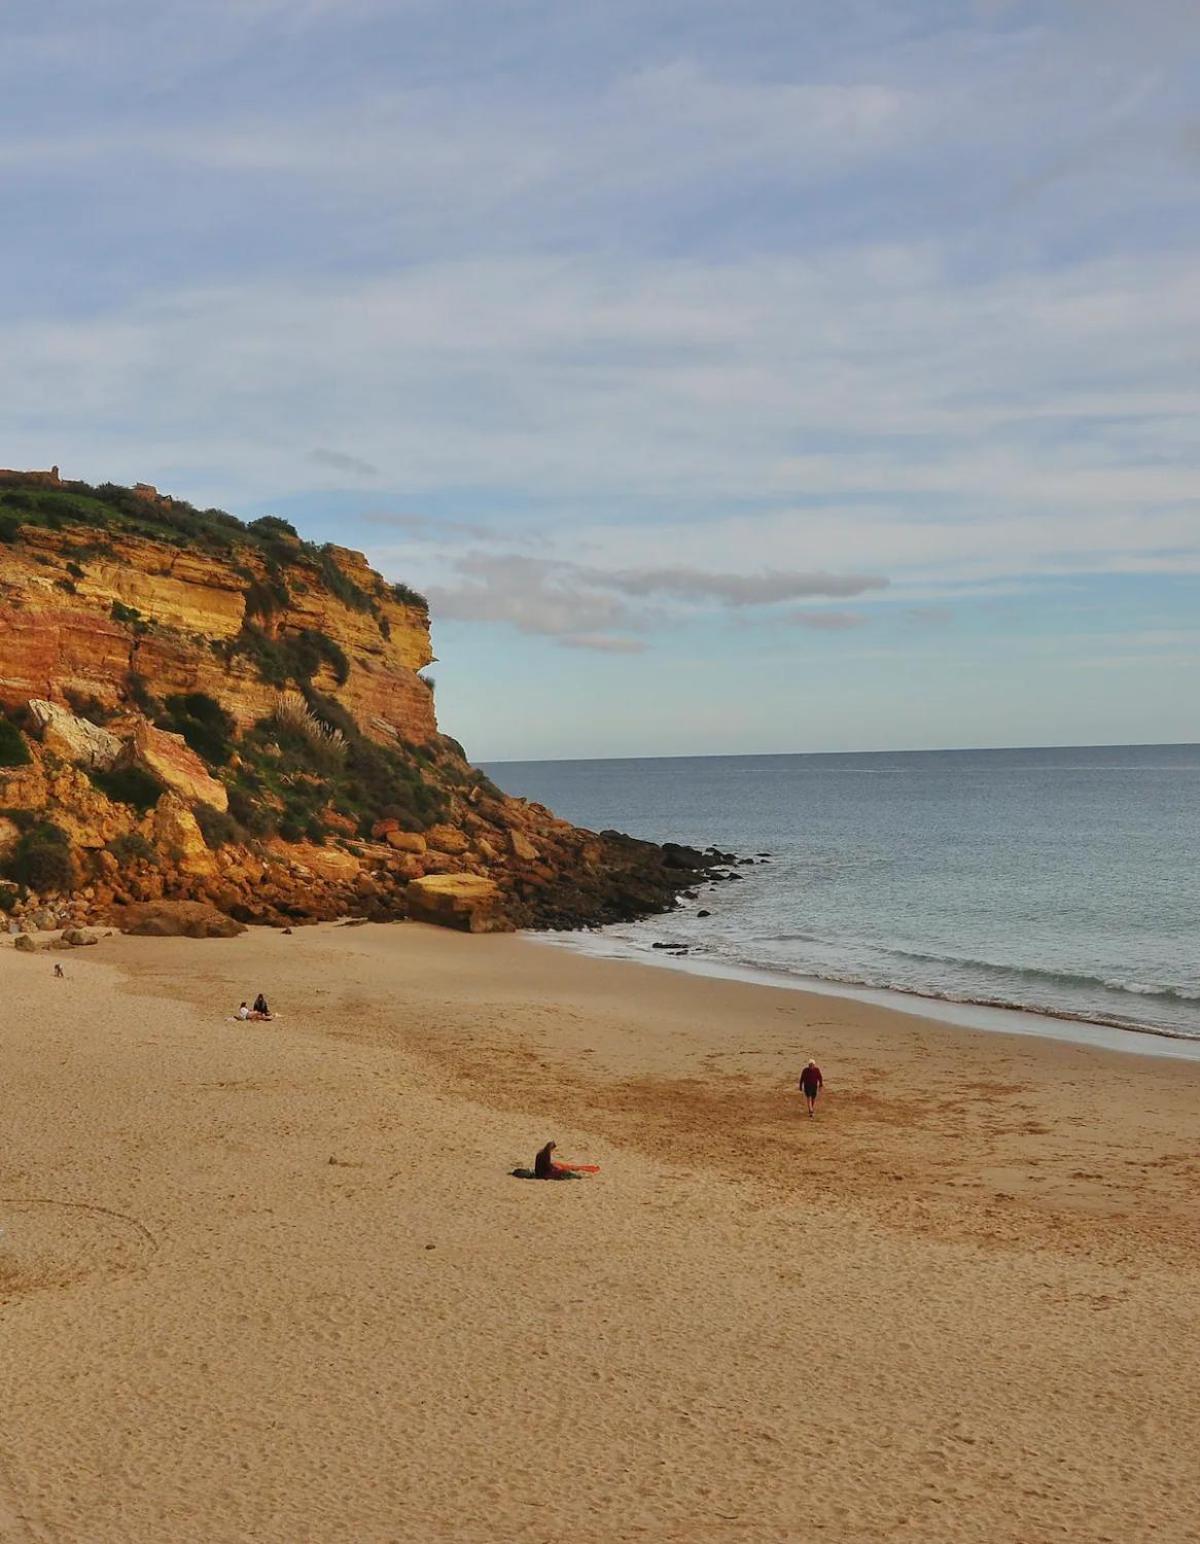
(544, 1167)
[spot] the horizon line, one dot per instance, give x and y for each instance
(931, 750)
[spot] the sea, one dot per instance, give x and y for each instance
(1063, 883)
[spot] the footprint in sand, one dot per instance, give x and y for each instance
(47, 1243)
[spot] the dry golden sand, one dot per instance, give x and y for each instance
(273, 1282)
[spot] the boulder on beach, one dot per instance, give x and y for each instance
(467, 902)
(79, 938)
(175, 919)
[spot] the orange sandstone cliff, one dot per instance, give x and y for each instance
(197, 710)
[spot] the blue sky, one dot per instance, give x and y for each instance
(733, 378)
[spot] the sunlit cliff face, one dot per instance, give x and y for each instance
(197, 710)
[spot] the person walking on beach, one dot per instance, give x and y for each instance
(811, 1084)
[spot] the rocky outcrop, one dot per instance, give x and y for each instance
(176, 919)
(226, 717)
(83, 621)
(177, 834)
(170, 759)
(74, 738)
(464, 901)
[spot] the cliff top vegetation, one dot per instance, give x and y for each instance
(111, 509)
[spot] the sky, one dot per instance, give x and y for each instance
(796, 375)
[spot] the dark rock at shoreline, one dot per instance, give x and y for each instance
(605, 878)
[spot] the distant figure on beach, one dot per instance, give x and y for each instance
(244, 1011)
(260, 1006)
(811, 1083)
(544, 1167)
(59, 971)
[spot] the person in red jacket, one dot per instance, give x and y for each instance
(811, 1084)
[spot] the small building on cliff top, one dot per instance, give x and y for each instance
(49, 479)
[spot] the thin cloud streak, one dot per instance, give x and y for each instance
(340, 462)
(828, 621)
(566, 601)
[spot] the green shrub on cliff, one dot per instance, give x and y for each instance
(292, 659)
(129, 785)
(265, 598)
(85, 705)
(340, 584)
(14, 752)
(407, 596)
(273, 525)
(286, 780)
(131, 848)
(41, 858)
(203, 723)
(141, 696)
(217, 828)
(249, 808)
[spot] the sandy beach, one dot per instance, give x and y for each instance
(274, 1282)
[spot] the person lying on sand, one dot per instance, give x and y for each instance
(811, 1083)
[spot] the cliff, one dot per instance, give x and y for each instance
(201, 710)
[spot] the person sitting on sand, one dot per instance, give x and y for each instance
(544, 1167)
(244, 1011)
(811, 1083)
(260, 1006)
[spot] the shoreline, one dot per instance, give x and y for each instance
(299, 1241)
(974, 1014)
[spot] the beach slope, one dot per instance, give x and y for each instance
(274, 1282)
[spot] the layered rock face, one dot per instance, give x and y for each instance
(82, 615)
(203, 712)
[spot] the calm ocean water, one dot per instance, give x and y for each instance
(1065, 881)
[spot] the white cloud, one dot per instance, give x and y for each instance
(721, 319)
(580, 605)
